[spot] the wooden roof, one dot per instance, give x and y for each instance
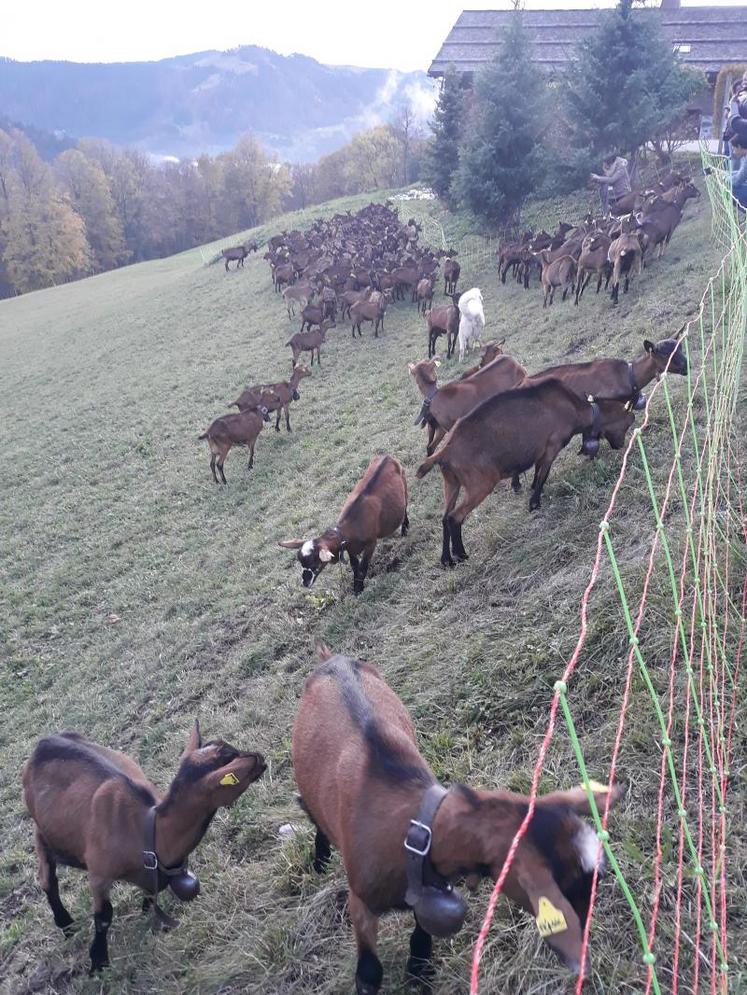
(716, 36)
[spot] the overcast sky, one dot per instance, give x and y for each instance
(396, 34)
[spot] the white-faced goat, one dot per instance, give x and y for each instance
(375, 509)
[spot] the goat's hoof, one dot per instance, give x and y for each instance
(96, 967)
(447, 562)
(460, 557)
(419, 974)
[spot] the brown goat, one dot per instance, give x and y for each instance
(364, 784)
(625, 256)
(490, 351)
(442, 320)
(240, 429)
(505, 436)
(452, 270)
(424, 293)
(368, 310)
(616, 379)
(91, 807)
(444, 405)
(593, 259)
(559, 272)
(375, 509)
(285, 391)
(310, 342)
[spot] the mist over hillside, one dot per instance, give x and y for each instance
(203, 102)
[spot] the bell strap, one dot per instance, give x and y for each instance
(155, 869)
(635, 390)
(426, 406)
(420, 870)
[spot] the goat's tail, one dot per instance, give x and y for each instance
(427, 465)
(203, 436)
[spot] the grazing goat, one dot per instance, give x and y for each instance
(443, 406)
(404, 839)
(93, 808)
(506, 435)
(625, 256)
(616, 379)
(452, 269)
(471, 319)
(559, 272)
(310, 341)
(285, 391)
(375, 509)
(240, 429)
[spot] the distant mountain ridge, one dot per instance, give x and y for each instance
(203, 102)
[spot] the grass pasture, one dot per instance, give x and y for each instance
(137, 594)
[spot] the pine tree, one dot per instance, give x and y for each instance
(501, 161)
(442, 155)
(626, 85)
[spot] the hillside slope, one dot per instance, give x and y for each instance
(205, 101)
(138, 594)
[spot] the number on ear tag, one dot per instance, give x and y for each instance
(229, 779)
(549, 919)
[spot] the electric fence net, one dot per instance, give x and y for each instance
(682, 604)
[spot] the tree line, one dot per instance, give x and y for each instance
(96, 206)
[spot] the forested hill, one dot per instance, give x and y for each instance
(203, 102)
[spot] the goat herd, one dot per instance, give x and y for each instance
(403, 838)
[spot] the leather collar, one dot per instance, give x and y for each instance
(426, 406)
(158, 875)
(420, 869)
(634, 388)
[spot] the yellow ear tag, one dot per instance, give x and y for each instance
(597, 788)
(549, 919)
(229, 779)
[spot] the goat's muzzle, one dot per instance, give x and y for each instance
(308, 577)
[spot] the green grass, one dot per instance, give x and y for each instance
(136, 594)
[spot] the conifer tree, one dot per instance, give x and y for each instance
(501, 161)
(625, 85)
(442, 155)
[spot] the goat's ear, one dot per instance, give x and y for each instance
(195, 738)
(291, 543)
(577, 800)
(233, 778)
(324, 554)
(649, 346)
(557, 922)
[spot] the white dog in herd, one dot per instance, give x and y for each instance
(471, 319)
